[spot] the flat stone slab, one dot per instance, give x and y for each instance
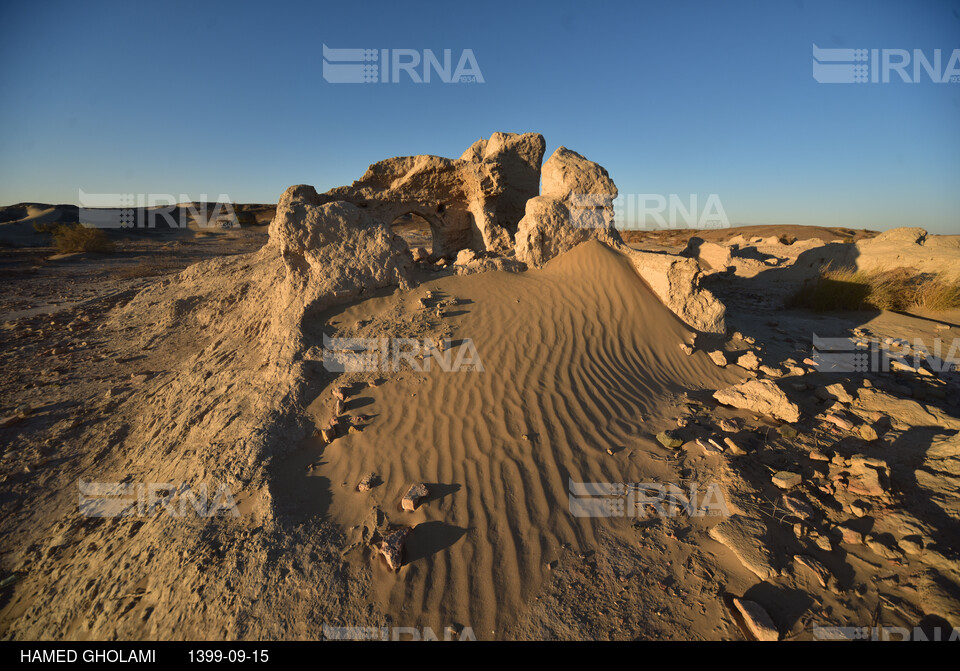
(757, 620)
(746, 538)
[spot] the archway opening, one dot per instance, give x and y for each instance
(416, 232)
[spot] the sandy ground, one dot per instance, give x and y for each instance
(582, 368)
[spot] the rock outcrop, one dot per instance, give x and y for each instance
(239, 323)
(577, 205)
(474, 202)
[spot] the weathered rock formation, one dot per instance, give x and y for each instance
(474, 202)
(576, 206)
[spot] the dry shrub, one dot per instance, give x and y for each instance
(898, 289)
(78, 238)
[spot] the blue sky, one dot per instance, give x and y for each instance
(674, 97)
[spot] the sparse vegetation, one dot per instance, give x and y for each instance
(45, 227)
(78, 238)
(898, 289)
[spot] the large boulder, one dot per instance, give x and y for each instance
(576, 205)
(548, 230)
(676, 281)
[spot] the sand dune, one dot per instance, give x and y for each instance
(581, 357)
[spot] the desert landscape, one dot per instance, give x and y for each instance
(455, 400)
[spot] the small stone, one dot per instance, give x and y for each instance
(686, 349)
(849, 535)
(669, 439)
(786, 479)
(867, 432)
(787, 431)
(834, 392)
(749, 361)
(718, 358)
(729, 426)
(822, 573)
(840, 422)
(757, 620)
(733, 447)
(369, 482)
(392, 547)
(329, 434)
(709, 447)
(822, 542)
(413, 496)
(797, 506)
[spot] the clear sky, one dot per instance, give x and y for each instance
(672, 97)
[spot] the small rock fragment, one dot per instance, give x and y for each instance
(786, 479)
(414, 495)
(733, 447)
(718, 358)
(749, 361)
(822, 573)
(787, 431)
(392, 547)
(369, 482)
(669, 439)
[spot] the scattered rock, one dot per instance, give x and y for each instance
(797, 506)
(729, 425)
(746, 538)
(868, 432)
(392, 547)
(749, 361)
(733, 447)
(414, 495)
(786, 479)
(369, 482)
(757, 620)
(834, 392)
(669, 439)
(718, 358)
(760, 396)
(881, 549)
(821, 572)
(787, 431)
(839, 422)
(850, 535)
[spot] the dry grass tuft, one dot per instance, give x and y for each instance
(898, 289)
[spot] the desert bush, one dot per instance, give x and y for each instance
(48, 227)
(898, 289)
(79, 238)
